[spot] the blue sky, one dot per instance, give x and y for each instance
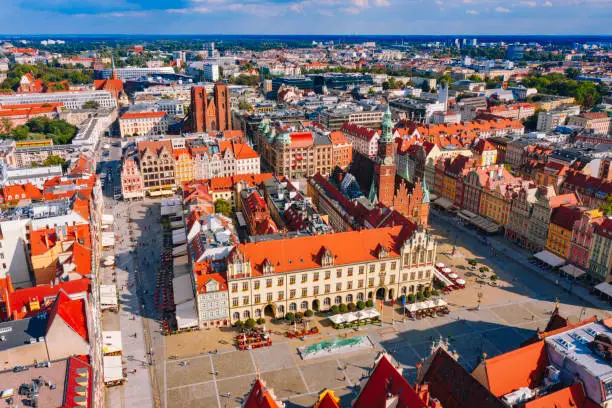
(306, 17)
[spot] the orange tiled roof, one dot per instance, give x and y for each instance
(142, 115)
(523, 367)
(568, 397)
(70, 311)
(306, 252)
(260, 397)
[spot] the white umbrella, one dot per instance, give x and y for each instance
(446, 270)
(428, 304)
(453, 276)
(440, 302)
(350, 317)
(412, 308)
(440, 265)
(460, 282)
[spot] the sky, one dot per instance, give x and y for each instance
(405, 17)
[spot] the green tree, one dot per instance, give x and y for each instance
(91, 105)
(334, 309)
(343, 308)
(290, 317)
(244, 106)
(411, 298)
(606, 206)
(369, 303)
(54, 160)
(572, 73)
(360, 305)
(308, 313)
(223, 207)
(475, 78)
(419, 296)
(250, 323)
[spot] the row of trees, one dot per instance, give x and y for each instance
(60, 131)
(47, 74)
(587, 94)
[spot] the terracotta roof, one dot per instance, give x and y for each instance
(20, 192)
(337, 138)
(386, 380)
(301, 139)
(594, 115)
(261, 397)
(327, 399)
(361, 132)
(568, 397)
(72, 312)
(142, 115)
(523, 367)
(565, 216)
(484, 145)
(73, 388)
(563, 199)
(305, 252)
(605, 229)
(241, 151)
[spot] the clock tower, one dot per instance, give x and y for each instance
(385, 167)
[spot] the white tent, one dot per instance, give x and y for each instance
(351, 317)
(549, 258)
(113, 370)
(108, 239)
(108, 219)
(573, 271)
(180, 265)
(108, 297)
(444, 203)
(182, 289)
(172, 210)
(337, 319)
(111, 342)
(605, 288)
(186, 315)
(440, 302)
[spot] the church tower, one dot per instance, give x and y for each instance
(385, 166)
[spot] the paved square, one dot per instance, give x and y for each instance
(232, 364)
(273, 358)
(201, 395)
(198, 370)
(238, 388)
(323, 375)
(285, 382)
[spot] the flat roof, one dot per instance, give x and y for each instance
(111, 342)
(56, 374)
(22, 332)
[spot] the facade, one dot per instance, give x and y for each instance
(485, 153)
(69, 99)
(157, 167)
(275, 277)
(131, 180)
(342, 150)
(562, 222)
(335, 119)
(183, 166)
(224, 159)
(134, 72)
(582, 238)
(143, 124)
(596, 122)
(521, 209)
(208, 113)
(539, 223)
(600, 258)
(363, 139)
(549, 120)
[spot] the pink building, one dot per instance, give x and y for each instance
(131, 180)
(582, 235)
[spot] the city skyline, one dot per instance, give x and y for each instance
(405, 17)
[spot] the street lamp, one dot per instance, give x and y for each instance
(479, 296)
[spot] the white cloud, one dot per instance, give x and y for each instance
(297, 7)
(547, 4)
(353, 10)
(528, 3)
(502, 9)
(190, 10)
(115, 14)
(439, 2)
(472, 12)
(382, 3)
(467, 1)
(360, 3)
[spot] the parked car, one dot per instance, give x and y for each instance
(19, 369)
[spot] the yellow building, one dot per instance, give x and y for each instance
(495, 204)
(560, 230)
(183, 166)
(485, 154)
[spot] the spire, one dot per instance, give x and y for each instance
(406, 173)
(426, 198)
(114, 75)
(372, 194)
(387, 127)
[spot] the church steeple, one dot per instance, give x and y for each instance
(387, 127)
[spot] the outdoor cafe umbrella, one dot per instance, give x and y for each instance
(429, 304)
(453, 276)
(460, 282)
(412, 308)
(440, 265)
(446, 270)
(440, 302)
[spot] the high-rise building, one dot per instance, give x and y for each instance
(209, 113)
(211, 72)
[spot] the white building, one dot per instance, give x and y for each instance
(71, 99)
(174, 107)
(143, 124)
(34, 175)
(211, 72)
(135, 72)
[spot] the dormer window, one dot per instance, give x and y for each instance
(382, 252)
(267, 267)
(327, 258)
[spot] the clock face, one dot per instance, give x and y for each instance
(388, 160)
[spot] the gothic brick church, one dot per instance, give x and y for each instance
(209, 112)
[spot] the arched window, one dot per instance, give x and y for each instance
(360, 296)
(246, 314)
(257, 312)
(292, 307)
(281, 308)
(349, 298)
(304, 305)
(327, 301)
(338, 300)
(236, 315)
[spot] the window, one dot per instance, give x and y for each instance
(412, 275)
(304, 305)
(280, 282)
(338, 273)
(292, 307)
(383, 266)
(304, 277)
(280, 295)
(361, 270)
(393, 266)
(234, 287)
(257, 299)
(360, 296)
(350, 272)
(338, 300)
(349, 286)
(371, 282)
(268, 283)
(291, 293)
(316, 276)
(404, 277)
(420, 274)
(292, 280)
(245, 286)
(392, 279)
(372, 268)
(235, 302)
(256, 285)
(427, 274)
(327, 301)
(315, 291)
(360, 283)
(327, 288)
(304, 292)
(338, 287)
(245, 300)
(327, 275)
(269, 297)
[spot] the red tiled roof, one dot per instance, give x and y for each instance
(387, 380)
(305, 252)
(20, 192)
(142, 115)
(523, 367)
(594, 115)
(563, 199)
(260, 397)
(327, 399)
(72, 312)
(72, 389)
(301, 139)
(568, 397)
(565, 217)
(605, 229)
